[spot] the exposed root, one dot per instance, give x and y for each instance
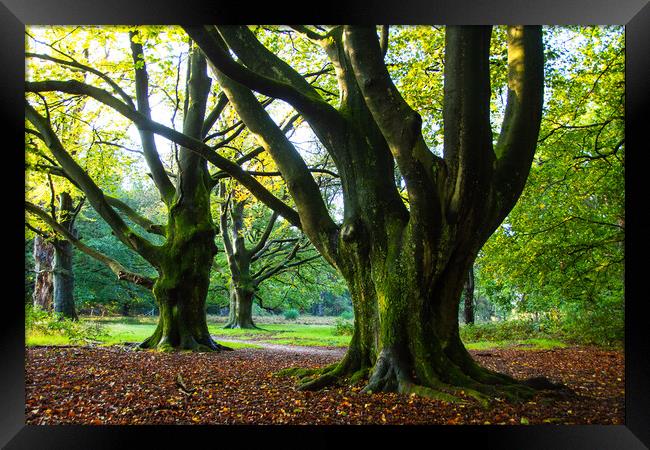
(187, 343)
(314, 379)
(452, 383)
(234, 325)
(301, 372)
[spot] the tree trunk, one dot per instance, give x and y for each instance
(187, 255)
(241, 308)
(64, 281)
(181, 289)
(43, 262)
(406, 326)
(232, 308)
(63, 275)
(469, 298)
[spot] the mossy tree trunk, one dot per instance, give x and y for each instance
(405, 263)
(63, 298)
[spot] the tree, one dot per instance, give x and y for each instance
(43, 261)
(563, 243)
(63, 282)
(184, 260)
(405, 262)
(273, 257)
(468, 300)
(54, 284)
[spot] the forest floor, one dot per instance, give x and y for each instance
(117, 385)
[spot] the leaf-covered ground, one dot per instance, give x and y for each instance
(114, 385)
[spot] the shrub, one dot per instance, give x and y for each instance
(343, 327)
(502, 331)
(39, 321)
(348, 315)
(291, 314)
(602, 328)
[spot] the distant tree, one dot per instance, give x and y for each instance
(270, 255)
(43, 261)
(468, 298)
(54, 283)
(63, 282)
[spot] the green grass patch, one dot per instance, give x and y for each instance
(287, 334)
(38, 338)
(520, 344)
(117, 330)
(238, 345)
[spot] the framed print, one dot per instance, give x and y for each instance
(467, 214)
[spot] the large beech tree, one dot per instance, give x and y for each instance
(405, 263)
(184, 260)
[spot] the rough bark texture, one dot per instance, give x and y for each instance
(43, 262)
(184, 275)
(241, 309)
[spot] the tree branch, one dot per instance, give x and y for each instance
(399, 124)
(118, 90)
(116, 267)
(466, 114)
(160, 178)
(265, 236)
(292, 88)
(521, 123)
(93, 192)
(254, 186)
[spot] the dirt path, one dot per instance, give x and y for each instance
(320, 351)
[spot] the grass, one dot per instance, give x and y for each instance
(287, 334)
(136, 329)
(118, 330)
(522, 344)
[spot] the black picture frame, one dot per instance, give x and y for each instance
(634, 14)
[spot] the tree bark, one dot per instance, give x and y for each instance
(43, 262)
(63, 274)
(468, 306)
(241, 304)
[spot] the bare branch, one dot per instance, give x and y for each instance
(160, 178)
(254, 186)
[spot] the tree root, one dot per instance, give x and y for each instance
(233, 326)
(392, 374)
(187, 344)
